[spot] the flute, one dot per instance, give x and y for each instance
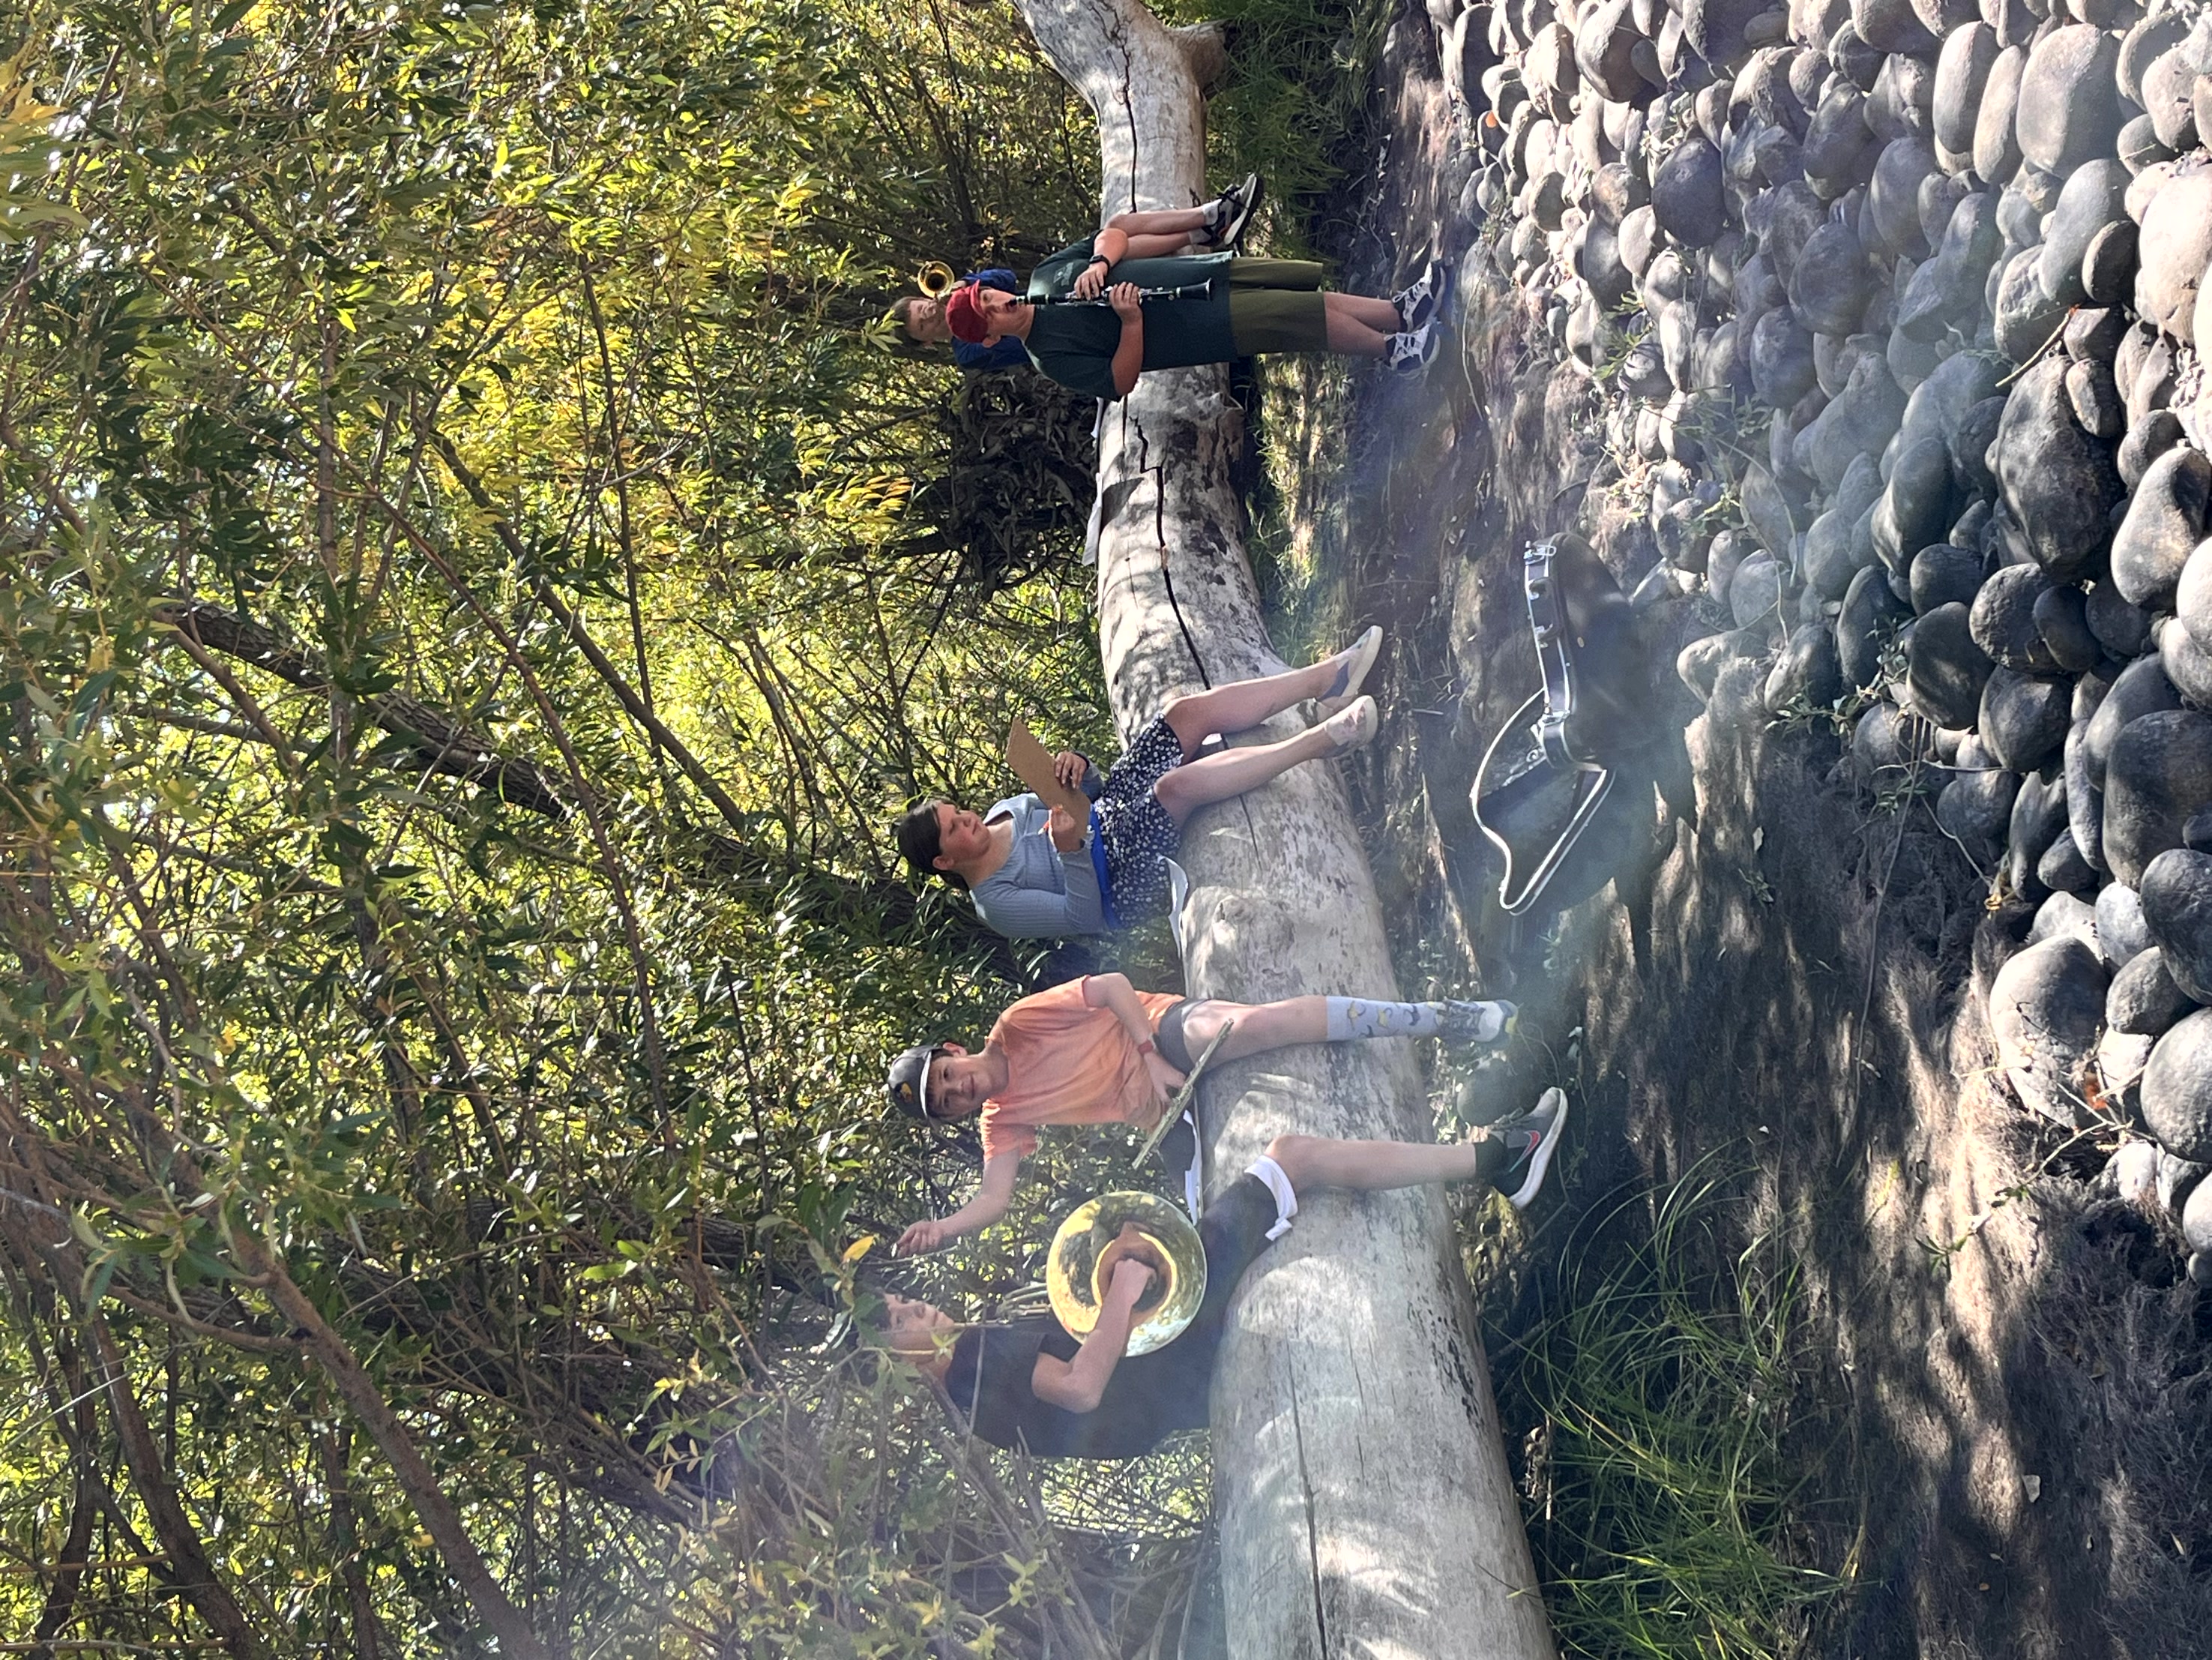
(1186, 291)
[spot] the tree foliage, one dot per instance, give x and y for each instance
(479, 572)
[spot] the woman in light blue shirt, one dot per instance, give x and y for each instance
(1036, 873)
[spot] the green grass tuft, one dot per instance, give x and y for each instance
(1658, 1495)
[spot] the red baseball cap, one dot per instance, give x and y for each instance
(964, 315)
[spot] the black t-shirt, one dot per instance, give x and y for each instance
(1075, 344)
(1150, 1395)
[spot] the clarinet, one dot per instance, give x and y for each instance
(1186, 291)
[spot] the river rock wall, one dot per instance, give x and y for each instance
(1892, 308)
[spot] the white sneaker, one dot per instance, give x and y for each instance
(1362, 654)
(1414, 349)
(1351, 726)
(1467, 1020)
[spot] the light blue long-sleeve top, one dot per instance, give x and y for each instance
(1040, 892)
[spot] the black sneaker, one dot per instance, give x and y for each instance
(1233, 210)
(1418, 301)
(1531, 1140)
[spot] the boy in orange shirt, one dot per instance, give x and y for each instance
(1097, 1051)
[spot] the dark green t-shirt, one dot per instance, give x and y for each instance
(1075, 344)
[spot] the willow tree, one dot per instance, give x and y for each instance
(1364, 1500)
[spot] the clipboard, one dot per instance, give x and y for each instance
(1032, 763)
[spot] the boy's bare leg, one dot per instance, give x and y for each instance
(1313, 1161)
(1178, 222)
(1358, 327)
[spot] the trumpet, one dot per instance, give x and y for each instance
(936, 279)
(1080, 1264)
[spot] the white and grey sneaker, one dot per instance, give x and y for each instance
(1414, 349)
(1359, 657)
(1228, 213)
(1530, 1141)
(1419, 300)
(1466, 1020)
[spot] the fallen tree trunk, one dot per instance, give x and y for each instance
(1364, 1505)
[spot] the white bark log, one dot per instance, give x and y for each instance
(1364, 1503)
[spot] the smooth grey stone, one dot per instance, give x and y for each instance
(2131, 1173)
(1969, 443)
(2065, 916)
(2192, 600)
(2196, 834)
(2177, 1089)
(2155, 379)
(1699, 663)
(1943, 576)
(1945, 670)
(1961, 72)
(2090, 689)
(2165, 521)
(1939, 404)
(2058, 481)
(1830, 281)
(2122, 934)
(2187, 664)
(2024, 718)
(1784, 219)
(1997, 141)
(1839, 146)
(2109, 264)
(2093, 334)
(1946, 293)
(2175, 247)
(2177, 906)
(2070, 99)
(1597, 260)
(2025, 317)
(2159, 772)
(1605, 43)
(2137, 145)
(1973, 809)
(2177, 1179)
(1767, 511)
(1917, 508)
(1891, 25)
(1853, 59)
(2199, 1268)
(2085, 798)
(1869, 614)
(2038, 819)
(1829, 566)
(2141, 689)
(1715, 27)
(2017, 218)
(1687, 194)
(2095, 397)
(1781, 359)
(2144, 1001)
(2091, 200)
(2122, 629)
(1755, 595)
(1968, 529)
(1859, 421)
(2169, 86)
(2147, 440)
(1893, 195)
(1677, 331)
(2061, 619)
(1806, 669)
(1900, 101)
(2002, 619)
(2061, 868)
(2197, 1227)
(1638, 239)
(1759, 291)
(1939, 195)
(2141, 46)
(1883, 745)
(2046, 1007)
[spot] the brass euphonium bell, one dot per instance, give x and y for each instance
(935, 279)
(1080, 1264)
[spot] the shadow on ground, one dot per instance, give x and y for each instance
(2007, 1447)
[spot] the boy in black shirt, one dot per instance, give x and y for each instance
(1029, 1383)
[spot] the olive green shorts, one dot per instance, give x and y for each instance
(1275, 305)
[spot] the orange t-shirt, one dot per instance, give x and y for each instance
(1067, 1064)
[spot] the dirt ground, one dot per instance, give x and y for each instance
(2007, 1451)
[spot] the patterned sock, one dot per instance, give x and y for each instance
(1351, 1017)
